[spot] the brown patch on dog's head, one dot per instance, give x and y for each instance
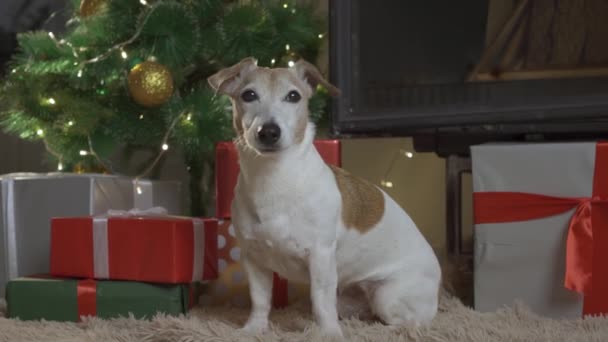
(362, 202)
(312, 75)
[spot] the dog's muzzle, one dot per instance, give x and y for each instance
(268, 135)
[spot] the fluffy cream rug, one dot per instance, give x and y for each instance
(455, 322)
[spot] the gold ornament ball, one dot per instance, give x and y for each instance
(150, 84)
(91, 7)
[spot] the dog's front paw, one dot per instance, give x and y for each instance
(255, 326)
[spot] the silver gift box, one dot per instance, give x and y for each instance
(526, 261)
(29, 201)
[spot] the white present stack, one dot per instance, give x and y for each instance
(523, 257)
(29, 201)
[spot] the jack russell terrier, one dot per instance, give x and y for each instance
(313, 223)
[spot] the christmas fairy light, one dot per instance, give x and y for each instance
(287, 47)
(123, 54)
(14, 71)
(291, 63)
(408, 154)
(272, 61)
(51, 35)
(60, 166)
(70, 123)
(141, 116)
(139, 190)
(293, 11)
(83, 152)
(120, 46)
(51, 101)
(386, 184)
(320, 36)
(79, 73)
(163, 148)
(189, 117)
(285, 5)
(40, 132)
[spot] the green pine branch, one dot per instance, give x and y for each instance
(71, 92)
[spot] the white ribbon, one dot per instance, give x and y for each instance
(8, 212)
(100, 240)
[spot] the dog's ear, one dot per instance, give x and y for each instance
(226, 80)
(313, 77)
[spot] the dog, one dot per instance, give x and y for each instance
(313, 223)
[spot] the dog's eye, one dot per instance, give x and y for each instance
(249, 96)
(293, 97)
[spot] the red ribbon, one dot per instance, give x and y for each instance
(587, 241)
(86, 291)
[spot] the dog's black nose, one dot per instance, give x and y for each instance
(269, 134)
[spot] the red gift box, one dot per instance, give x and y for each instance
(156, 249)
(227, 171)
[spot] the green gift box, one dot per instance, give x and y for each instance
(61, 299)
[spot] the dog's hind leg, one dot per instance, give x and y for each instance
(405, 300)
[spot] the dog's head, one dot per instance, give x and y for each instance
(270, 106)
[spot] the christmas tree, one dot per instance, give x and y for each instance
(130, 75)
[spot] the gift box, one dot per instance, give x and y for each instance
(135, 246)
(232, 286)
(61, 299)
(541, 227)
(29, 201)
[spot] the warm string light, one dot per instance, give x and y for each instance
(163, 147)
(51, 101)
(123, 54)
(320, 35)
(119, 46)
(84, 152)
(291, 63)
(70, 123)
(287, 47)
(60, 166)
(272, 61)
(141, 116)
(386, 182)
(40, 132)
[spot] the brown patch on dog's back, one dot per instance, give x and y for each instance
(362, 202)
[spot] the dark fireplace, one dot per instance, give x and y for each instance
(453, 73)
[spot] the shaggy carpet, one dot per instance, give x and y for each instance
(455, 322)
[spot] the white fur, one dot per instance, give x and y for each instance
(287, 215)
